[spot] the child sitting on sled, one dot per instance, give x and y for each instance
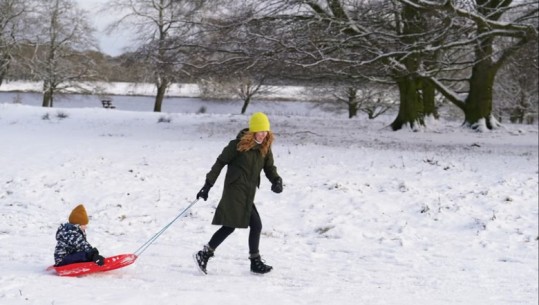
(72, 246)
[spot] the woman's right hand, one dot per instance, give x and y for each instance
(203, 193)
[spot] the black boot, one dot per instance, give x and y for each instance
(258, 266)
(202, 257)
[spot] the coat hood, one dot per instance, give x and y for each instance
(241, 133)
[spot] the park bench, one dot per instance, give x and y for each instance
(107, 104)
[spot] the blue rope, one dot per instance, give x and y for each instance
(153, 238)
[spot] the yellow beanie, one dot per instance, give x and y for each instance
(78, 216)
(259, 122)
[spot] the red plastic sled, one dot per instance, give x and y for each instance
(111, 263)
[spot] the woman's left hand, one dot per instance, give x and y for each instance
(277, 185)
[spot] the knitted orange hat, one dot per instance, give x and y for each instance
(78, 216)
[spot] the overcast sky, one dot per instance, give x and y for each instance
(113, 44)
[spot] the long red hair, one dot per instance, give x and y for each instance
(247, 142)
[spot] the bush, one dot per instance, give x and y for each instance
(17, 99)
(62, 115)
(164, 119)
(202, 110)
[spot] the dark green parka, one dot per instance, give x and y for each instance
(242, 179)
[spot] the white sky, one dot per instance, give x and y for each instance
(112, 44)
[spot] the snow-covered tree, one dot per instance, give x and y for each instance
(516, 91)
(164, 32)
(62, 36)
(420, 46)
(13, 15)
(353, 41)
(495, 30)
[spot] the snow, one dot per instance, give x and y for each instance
(445, 215)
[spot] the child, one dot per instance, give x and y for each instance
(72, 246)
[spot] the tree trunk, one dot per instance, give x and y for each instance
(428, 100)
(352, 109)
(479, 100)
(47, 96)
(352, 102)
(246, 102)
(410, 110)
(4, 67)
(161, 90)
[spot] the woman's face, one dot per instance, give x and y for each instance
(260, 136)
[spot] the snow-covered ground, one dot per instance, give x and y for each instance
(368, 216)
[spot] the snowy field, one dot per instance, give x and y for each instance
(367, 216)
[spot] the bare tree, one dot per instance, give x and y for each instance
(232, 59)
(63, 34)
(516, 88)
(12, 18)
(245, 87)
(370, 98)
(163, 30)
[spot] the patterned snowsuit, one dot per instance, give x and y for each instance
(71, 240)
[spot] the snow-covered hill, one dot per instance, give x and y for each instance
(368, 216)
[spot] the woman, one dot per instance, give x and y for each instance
(246, 156)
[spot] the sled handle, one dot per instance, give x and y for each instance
(150, 241)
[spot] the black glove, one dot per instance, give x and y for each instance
(96, 258)
(277, 185)
(203, 193)
(99, 260)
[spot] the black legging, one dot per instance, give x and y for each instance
(255, 225)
